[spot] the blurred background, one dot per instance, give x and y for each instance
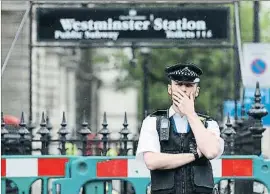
(78, 58)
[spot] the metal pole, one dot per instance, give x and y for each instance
(256, 24)
(236, 70)
(30, 65)
(16, 38)
(238, 51)
(237, 185)
(238, 31)
(124, 2)
(145, 53)
(166, 44)
(30, 125)
(145, 87)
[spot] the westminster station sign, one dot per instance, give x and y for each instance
(125, 24)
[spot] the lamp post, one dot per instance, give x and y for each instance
(256, 23)
(145, 52)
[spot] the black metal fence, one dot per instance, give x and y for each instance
(243, 137)
(18, 140)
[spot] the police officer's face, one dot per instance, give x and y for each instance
(188, 88)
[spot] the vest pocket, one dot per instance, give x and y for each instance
(203, 178)
(162, 180)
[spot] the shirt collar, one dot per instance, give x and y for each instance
(173, 113)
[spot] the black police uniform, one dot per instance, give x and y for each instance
(195, 177)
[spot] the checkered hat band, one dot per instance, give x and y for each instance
(184, 72)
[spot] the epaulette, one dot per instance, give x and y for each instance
(204, 118)
(159, 113)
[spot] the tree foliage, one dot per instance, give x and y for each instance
(217, 83)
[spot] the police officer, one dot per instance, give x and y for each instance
(177, 144)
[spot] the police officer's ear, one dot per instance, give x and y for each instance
(197, 91)
(170, 89)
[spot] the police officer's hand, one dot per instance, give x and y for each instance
(184, 103)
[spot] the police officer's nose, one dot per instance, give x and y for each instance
(183, 87)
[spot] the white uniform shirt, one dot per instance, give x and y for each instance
(149, 139)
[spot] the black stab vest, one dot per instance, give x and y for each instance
(181, 180)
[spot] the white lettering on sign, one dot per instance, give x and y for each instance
(101, 35)
(72, 24)
(188, 34)
(111, 28)
(160, 24)
(68, 35)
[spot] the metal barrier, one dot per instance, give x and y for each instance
(25, 170)
(242, 137)
(75, 171)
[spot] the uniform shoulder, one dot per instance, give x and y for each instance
(204, 117)
(159, 113)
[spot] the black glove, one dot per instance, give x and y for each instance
(193, 150)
